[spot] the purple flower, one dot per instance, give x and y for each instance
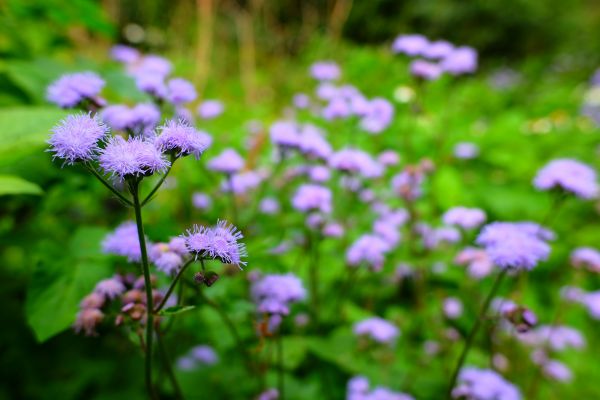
(311, 197)
(325, 71)
(285, 134)
(269, 394)
(139, 119)
(242, 182)
(387, 230)
(519, 245)
(204, 354)
(586, 257)
(557, 371)
(124, 54)
(368, 249)
(152, 83)
(337, 108)
(319, 174)
(70, 90)
(110, 288)
(355, 161)
(333, 229)
(76, 138)
(182, 139)
(425, 70)
(466, 150)
(484, 384)
(165, 259)
(462, 60)
(275, 293)
(555, 337)
(124, 242)
(312, 143)
(180, 91)
(220, 242)
(409, 183)
(388, 158)
(466, 218)
(453, 307)
(569, 175)
(377, 329)
(153, 64)
(133, 157)
(228, 162)
(201, 201)
(438, 49)
(479, 263)
(210, 109)
(411, 45)
(378, 116)
(301, 100)
(87, 320)
(358, 389)
(269, 206)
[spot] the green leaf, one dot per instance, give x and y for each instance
(10, 184)
(24, 130)
(175, 310)
(58, 285)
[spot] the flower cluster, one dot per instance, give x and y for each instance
(221, 242)
(377, 329)
(569, 175)
(71, 90)
(484, 384)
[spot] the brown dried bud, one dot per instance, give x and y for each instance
(210, 278)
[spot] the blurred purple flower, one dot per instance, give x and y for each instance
(325, 71)
(378, 329)
(201, 201)
(71, 89)
(210, 109)
(123, 241)
(466, 150)
(425, 70)
(311, 197)
(228, 162)
(274, 293)
(368, 249)
(462, 60)
(466, 218)
(411, 45)
(569, 175)
(180, 91)
(378, 116)
(484, 384)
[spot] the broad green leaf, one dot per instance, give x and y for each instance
(176, 310)
(58, 285)
(10, 184)
(25, 130)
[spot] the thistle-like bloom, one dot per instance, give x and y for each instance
(368, 249)
(228, 162)
(378, 329)
(210, 109)
(180, 91)
(518, 245)
(358, 389)
(355, 161)
(438, 49)
(110, 288)
(133, 157)
(586, 257)
(466, 150)
(462, 60)
(569, 175)
(325, 71)
(484, 384)
(220, 242)
(76, 138)
(411, 45)
(124, 242)
(70, 90)
(311, 197)
(466, 218)
(181, 139)
(378, 115)
(165, 259)
(425, 70)
(273, 294)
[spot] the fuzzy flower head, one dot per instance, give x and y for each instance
(438, 49)
(210, 109)
(466, 150)
(285, 134)
(378, 329)
(356, 161)
(312, 143)
(182, 139)
(165, 259)
(462, 60)
(110, 288)
(228, 162)
(311, 197)
(221, 242)
(242, 182)
(180, 91)
(139, 119)
(124, 242)
(425, 70)
(477, 261)
(569, 175)
(87, 320)
(133, 157)
(76, 138)
(515, 245)
(72, 89)
(466, 218)
(411, 45)
(368, 249)
(586, 257)
(124, 54)
(325, 71)
(484, 384)
(378, 115)
(274, 293)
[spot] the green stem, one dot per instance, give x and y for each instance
(134, 187)
(170, 290)
(108, 185)
(314, 277)
(280, 375)
(473, 333)
(158, 184)
(167, 363)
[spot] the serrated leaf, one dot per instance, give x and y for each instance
(10, 184)
(58, 285)
(175, 310)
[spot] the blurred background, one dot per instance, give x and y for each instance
(254, 56)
